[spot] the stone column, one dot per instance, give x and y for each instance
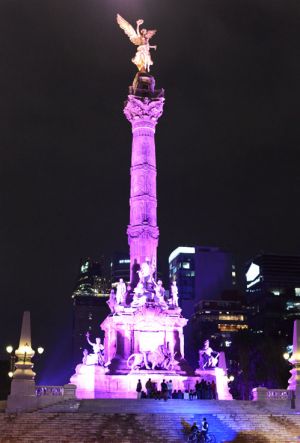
(22, 396)
(143, 112)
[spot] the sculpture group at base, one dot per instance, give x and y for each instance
(147, 290)
(161, 358)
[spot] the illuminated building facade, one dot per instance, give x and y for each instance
(273, 289)
(201, 273)
(220, 319)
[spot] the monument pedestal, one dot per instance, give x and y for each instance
(219, 376)
(135, 339)
(92, 382)
(142, 330)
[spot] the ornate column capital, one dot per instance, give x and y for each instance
(143, 110)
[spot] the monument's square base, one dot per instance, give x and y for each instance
(93, 382)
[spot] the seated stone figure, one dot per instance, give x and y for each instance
(146, 279)
(139, 297)
(145, 289)
(208, 359)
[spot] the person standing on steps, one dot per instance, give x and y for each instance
(164, 390)
(204, 429)
(139, 389)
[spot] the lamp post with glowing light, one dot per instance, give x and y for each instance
(12, 359)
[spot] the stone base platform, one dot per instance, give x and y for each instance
(93, 382)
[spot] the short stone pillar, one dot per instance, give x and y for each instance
(69, 391)
(294, 381)
(260, 394)
(22, 396)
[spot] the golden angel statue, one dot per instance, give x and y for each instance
(140, 38)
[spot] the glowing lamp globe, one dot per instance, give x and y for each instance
(9, 349)
(40, 350)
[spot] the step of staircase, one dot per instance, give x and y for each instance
(148, 421)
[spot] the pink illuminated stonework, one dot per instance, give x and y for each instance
(143, 112)
(144, 334)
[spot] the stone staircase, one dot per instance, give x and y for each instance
(148, 421)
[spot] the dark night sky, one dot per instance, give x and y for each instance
(227, 144)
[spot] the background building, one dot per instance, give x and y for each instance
(120, 267)
(220, 320)
(89, 306)
(203, 274)
(273, 289)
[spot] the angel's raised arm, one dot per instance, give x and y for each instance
(139, 22)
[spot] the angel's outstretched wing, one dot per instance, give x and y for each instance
(129, 30)
(150, 34)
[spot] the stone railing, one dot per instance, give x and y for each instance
(279, 394)
(49, 390)
(265, 394)
(49, 395)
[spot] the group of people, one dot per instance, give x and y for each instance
(165, 392)
(203, 391)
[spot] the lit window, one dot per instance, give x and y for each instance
(227, 317)
(231, 328)
(233, 274)
(186, 265)
(297, 292)
(276, 292)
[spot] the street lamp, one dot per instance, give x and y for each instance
(12, 360)
(286, 355)
(25, 349)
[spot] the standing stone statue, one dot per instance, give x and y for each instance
(140, 38)
(121, 291)
(174, 294)
(112, 301)
(160, 294)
